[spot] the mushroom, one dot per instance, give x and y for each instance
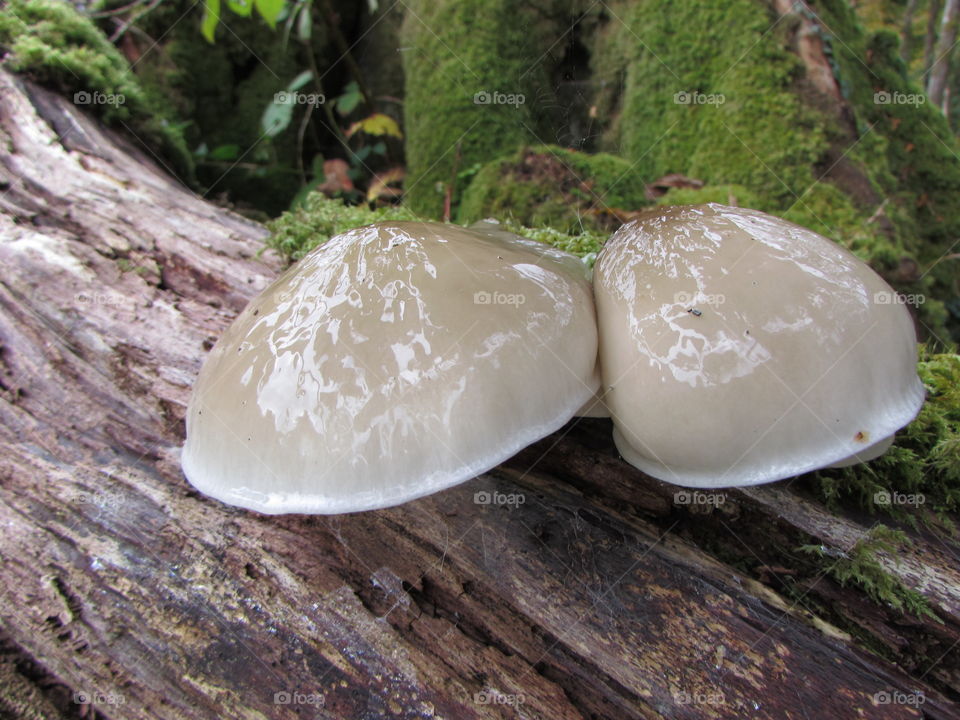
(394, 361)
(593, 407)
(737, 348)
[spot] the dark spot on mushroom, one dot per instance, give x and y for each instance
(256, 312)
(862, 436)
(747, 332)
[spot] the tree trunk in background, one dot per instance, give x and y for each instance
(600, 596)
(930, 38)
(940, 71)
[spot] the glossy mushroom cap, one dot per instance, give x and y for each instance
(737, 348)
(394, 361)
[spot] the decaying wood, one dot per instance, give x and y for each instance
(598, 596)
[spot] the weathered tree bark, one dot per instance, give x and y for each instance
(940, 70)
(598, 596)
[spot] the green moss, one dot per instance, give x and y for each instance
(920, 474)
(585, 244)
(454, 49)
(861, 566)
(549, 186)
(56, 46)
(297, 232)
(319, 218)
(743, 123)
(724, 194)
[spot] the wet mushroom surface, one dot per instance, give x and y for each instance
(394, 361)
(738, 348)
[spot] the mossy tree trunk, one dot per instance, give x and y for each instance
(940, 72)
(600, 596)
(475, 80)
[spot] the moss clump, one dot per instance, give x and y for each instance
(318, 218)
(861, 566)
(554, 187)
(56, 46)
(454, 50)
(920, 474)
(724, 194)
(297, 232)
(585, 244)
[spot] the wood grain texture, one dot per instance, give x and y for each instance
(597, 596)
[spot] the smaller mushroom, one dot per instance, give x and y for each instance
(737, 348)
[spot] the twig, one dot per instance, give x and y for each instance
(448, 194)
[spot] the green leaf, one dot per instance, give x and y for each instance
(211, 18)
(361, 154)
(351, 97)
(225, 152)
(276, 118)
(305, 23)
(300, 80)
(317, 167)
(243, 8)
(279, 113)
(270, 10)
(376, 124)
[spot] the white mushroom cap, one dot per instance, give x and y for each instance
(394, 361)
(737, 348)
